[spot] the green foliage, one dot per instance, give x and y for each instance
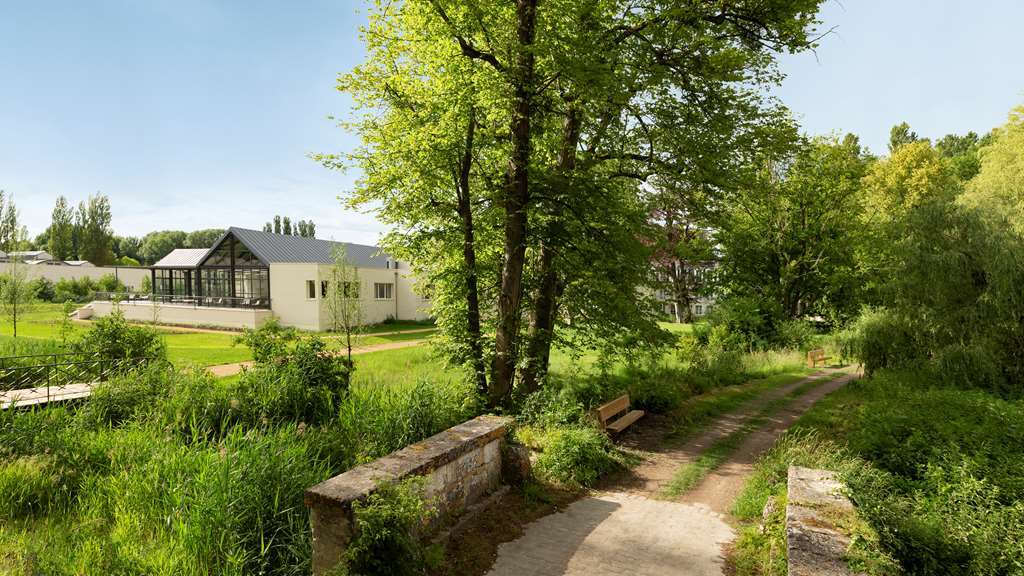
(387, 527)
(576, 456)
(127, 395)
(42, 289)
(936, 472)
(114, 337)
(881, 340)
(791, 238)
(269, 342)
(28, 485)
(75, 290)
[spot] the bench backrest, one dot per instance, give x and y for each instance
(606, 412)
(817, 353)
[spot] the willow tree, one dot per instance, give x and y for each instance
(507, 141)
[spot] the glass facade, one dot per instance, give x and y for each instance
(230, 276)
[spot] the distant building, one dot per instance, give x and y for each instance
(249, 275)
(30, 256)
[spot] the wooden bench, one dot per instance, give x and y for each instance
(815, 356)
(615, 416)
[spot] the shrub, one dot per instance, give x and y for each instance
(109, 283)
(79, 290)
(970, 366)
(269, 342)
(387, 528)
(576, 456)
(745, 322)
(318, 367)
(794, 334)
(114, 337)
(121, 398)
(43, 289)
(881, 340)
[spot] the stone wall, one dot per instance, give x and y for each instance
(183, 314)
(461, 465)
(815, 544)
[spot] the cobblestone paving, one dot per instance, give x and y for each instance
(616, 534)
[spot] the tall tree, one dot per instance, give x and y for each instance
(572, 106)
(62, 224)
(97, 236)
(901, 135)
(156, 245)
(286, 227)
(277, 224)
(791, 238)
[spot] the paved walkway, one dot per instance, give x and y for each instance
(222, 370)
(36, 396)
(626, 531)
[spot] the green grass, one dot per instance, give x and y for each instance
(43, 323)
(936, 474)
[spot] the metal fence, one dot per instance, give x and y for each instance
(55, 373)
(193, 301)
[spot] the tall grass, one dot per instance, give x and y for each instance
(168, 472)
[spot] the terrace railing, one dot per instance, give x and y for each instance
(193, 301)
(57, 372)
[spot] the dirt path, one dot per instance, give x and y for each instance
(222, 370)
(720, 488)
(622, 529)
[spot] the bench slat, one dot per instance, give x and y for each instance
(621, 424)
(607, 411)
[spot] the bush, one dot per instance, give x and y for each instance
(881, 340)
(743, 322)
(123, 397)
(80, 290)
(970, 366)
(269, 342)
(318, 367)
(109, 283)
(43, 289)
(387, 528)
(794, 334)
(576, 456)
(114, 337)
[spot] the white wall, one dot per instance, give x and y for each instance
(130, 276)
(183, 315)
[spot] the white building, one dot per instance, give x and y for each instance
(248, 276)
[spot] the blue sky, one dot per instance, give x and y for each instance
(193, 114)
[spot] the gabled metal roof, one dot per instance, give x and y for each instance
(280, 248)
(182, 258)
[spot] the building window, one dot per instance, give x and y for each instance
(382, 291)
(700, 310)
(351, 290)
(323, 288)
(310, 290)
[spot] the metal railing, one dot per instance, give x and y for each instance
(193, 301)
(50, 375)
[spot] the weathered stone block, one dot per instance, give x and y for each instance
(461, 465)
(815, 545)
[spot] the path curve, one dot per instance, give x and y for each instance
(626, 531)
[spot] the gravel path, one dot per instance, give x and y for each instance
(623, 530)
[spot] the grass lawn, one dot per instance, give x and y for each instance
(43, 322)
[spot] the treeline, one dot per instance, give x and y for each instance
(304, 228)
(85, 233)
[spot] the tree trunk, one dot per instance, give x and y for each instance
(545, 307)
(517, 197)
(465, 209)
